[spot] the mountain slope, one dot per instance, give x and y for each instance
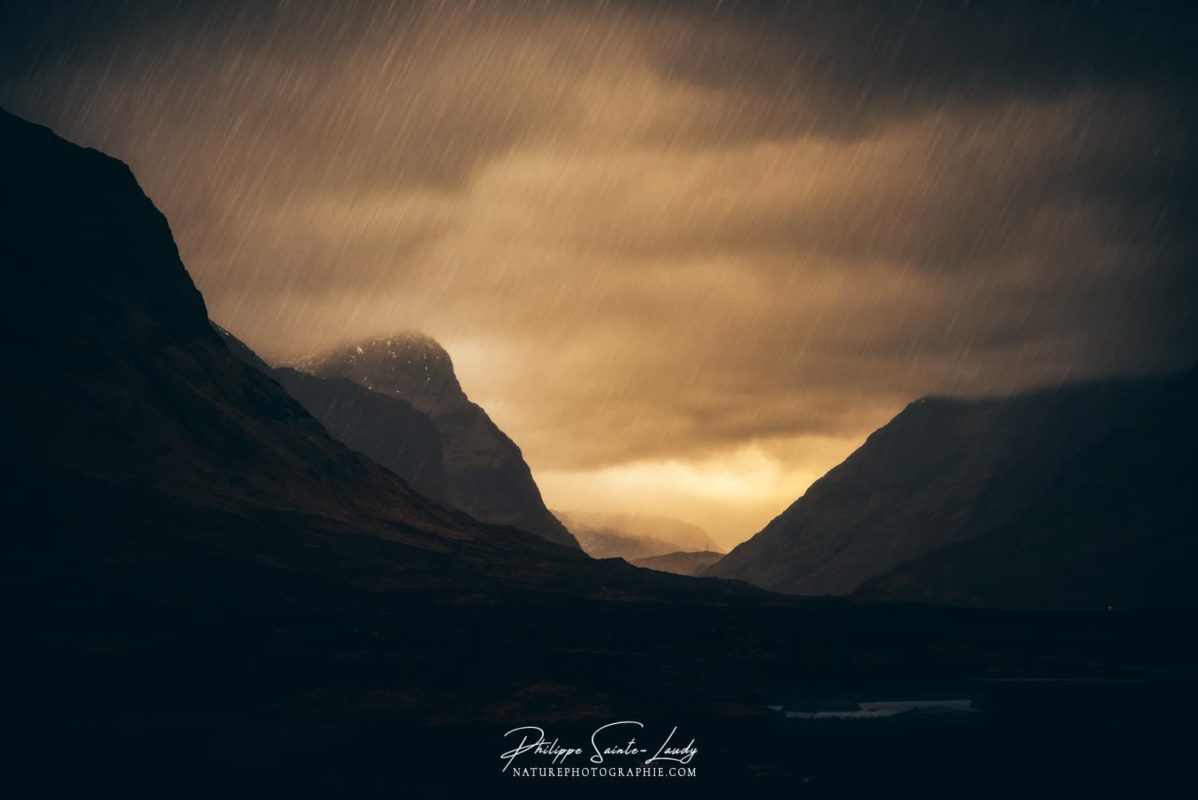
(385, 428)
(1119, 527)
(943, 471)
(242, 351)
(208, 595)
(153, 469)
(680, 563)
(485, 473)
(136, 420)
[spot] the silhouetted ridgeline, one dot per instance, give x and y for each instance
(682, 563)
(1117, 527)
(949, 477)
(210, 595)
(485, 472)
(385, 428)
(136, 419)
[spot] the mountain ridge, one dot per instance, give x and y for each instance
(387, 429)
(486, 475)
(681, 562)
(171, 451)
(1114, 530)
(942, 471)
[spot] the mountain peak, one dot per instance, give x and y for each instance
(407, 364)
(485, 471)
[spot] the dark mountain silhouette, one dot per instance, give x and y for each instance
(137, 421)
(485, 473)
(1117, 528)
(208, 595)
(633, 536)
(680, 563)
(243, 352)
(942, 472)
(385, 428)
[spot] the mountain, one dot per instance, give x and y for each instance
(942, 472)
(195, 570)
(605, 534)
(485, 473)
(242, 351)
(680, 563)
(385, 428)
(1117, 528)
(143, 440)
(208, 595)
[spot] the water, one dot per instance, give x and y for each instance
(878, 709)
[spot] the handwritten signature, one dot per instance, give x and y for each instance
(606, 742)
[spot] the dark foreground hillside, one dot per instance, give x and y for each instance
(206, 595)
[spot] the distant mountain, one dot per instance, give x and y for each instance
(942, 472)
(385, 428)
(208, 592)
(1118, 527)
(632, 536)
(485, 473)
(681, 563)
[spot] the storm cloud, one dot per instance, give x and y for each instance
(688, 256)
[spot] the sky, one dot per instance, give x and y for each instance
(688, 255)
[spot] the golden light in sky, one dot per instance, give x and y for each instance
(682, 261)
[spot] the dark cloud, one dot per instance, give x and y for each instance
(706, 246)
(863, 64)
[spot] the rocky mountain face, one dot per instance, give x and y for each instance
(242, 351)
(681, 563)
(140, 433)
(1118, 527)
(387, 429)
(943, 472)
(634, 536)
(180, 534)
(485, 473)
(210, 595)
